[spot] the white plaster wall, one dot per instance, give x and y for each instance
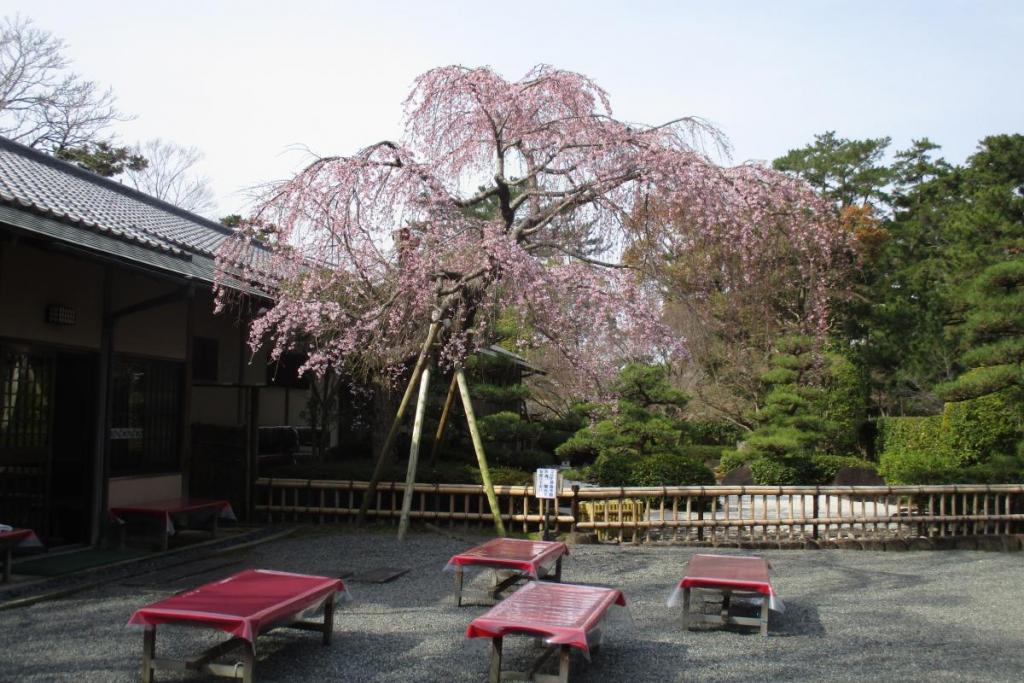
(158, 331)
(143, 489)
(31, 279)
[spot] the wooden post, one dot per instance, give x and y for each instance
(148, 652)
(575, 507)
(385, 450)
(414, 454)
(764, 616)
(444, 420)
(686, 608)
(328, 619)
(478, 446)
(494, 675)
(814, 515)
(564, 655)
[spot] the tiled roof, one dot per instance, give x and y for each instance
(36, 183)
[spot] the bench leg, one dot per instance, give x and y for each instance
(248, 662)
(148, 652)
(213, 526)
(494, 675)
(458, 586)
(328, 619)
(164, 536)
(558, 570)
(7, 565)
(686, 608)
(764, 616)
(563, 664)
(726, 600)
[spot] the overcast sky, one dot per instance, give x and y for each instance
(249, 82)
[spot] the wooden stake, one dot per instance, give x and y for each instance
(414, 454)
(385, 451)
(478, 446)
(444, 420)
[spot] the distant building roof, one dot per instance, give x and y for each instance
(496, 351)
(55, 199)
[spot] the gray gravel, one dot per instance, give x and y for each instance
(851, 616)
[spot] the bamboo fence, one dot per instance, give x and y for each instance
(673, 513)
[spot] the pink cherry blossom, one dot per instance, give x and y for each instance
(504, 196)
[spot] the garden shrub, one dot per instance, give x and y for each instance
(528, 459)
(971, 441)
(911, 434)
(844, 404)
(983, 426)
(504, 476)
(905, 467)
(713, 433)
(667, 469)
(613, 468)
(786, 471)
(702, 452)
(827, 466)
(731, 460)
(508, 428)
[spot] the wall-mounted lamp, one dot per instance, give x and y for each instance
(61, 315)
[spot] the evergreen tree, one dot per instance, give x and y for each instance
(640, 442)
(791, 425)
(995, 333)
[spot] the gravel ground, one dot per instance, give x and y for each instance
(851, 616)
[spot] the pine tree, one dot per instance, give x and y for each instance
(995, 334)
(790, 425)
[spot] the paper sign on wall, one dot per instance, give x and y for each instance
(545, 483)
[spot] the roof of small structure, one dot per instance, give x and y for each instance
(496, 351)
(60, 201)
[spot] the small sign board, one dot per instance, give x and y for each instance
(545, 483)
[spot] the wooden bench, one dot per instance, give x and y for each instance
(164, 513)
(245, 605)
(11, 539)
(566, 616)
(729, 576)
(525, 559)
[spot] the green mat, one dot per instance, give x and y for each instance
(65, 563)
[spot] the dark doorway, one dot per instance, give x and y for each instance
(73, 438)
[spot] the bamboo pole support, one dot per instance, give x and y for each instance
(444, 420)
(385, 451)
(414, 454)
(478, 446)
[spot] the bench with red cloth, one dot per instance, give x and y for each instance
(166, 512)
(526, 559)
(730, 576)
(9, 540)
(243, 605)
(566, 616)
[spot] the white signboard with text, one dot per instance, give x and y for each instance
(545, 484)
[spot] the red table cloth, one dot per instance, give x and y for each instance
(562, 613)
(174, 506)
(512, 553)
(746, 574)
(244, 604)
(19, 538)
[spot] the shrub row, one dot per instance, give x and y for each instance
(970, 441)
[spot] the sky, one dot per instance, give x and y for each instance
(258, 85)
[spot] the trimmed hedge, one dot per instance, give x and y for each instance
(956, 446)
(659, 469)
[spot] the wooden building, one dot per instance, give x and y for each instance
(113, 365)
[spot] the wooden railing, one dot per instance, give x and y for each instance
(675, 513)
